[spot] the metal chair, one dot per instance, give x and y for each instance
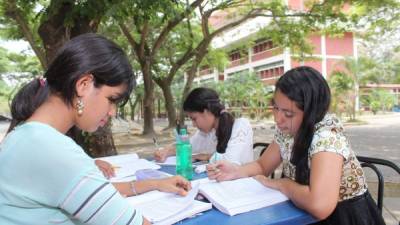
(264, 147)
(371, 162)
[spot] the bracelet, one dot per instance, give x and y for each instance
(133, 188)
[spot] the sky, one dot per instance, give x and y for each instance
(16, 46)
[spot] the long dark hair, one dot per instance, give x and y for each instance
(85, 54)
(200, 99)
(310, 92)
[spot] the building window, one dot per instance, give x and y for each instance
(262, 46)
(270, 72)
(234, 56)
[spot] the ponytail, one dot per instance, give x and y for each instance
(224, 130)
(27, 100)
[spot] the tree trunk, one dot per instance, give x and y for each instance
(133, 107)
(54, 33)
(169, 102)
(188, 86)
(148, 126)
(101, 143)
(202, 51)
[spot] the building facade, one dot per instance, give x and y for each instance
(269, 61)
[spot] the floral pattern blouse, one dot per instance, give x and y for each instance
(328, 137)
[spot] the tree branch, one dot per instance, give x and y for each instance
(171, 24)
(130, 38)
(13, 12)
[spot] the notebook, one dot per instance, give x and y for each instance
(239, 196)
(166, 208)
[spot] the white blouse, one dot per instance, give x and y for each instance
(240, 145)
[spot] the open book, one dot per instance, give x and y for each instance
(169, 161)
(127, 165)
(166, 208)
(239, 196)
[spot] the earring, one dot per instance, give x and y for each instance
(80, 106)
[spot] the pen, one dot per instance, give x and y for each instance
(116, 167)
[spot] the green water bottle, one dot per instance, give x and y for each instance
(184, 154)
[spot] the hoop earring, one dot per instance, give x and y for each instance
(80, 106)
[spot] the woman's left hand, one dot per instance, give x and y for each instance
(105, 167)
(271, 183)
(175, 184)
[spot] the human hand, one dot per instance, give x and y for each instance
(161, 154)
(105, 167)
(175, 184)
(271, 183)
(223, 170)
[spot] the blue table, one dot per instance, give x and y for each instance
(282, 213)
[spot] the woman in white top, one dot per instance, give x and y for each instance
(220, 136)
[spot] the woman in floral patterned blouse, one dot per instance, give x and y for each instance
(322, 174)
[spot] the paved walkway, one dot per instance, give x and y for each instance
(377, 132)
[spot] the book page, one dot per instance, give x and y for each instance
(195, 208)
(242, 195)
(127, 165)
(170, 161)
(120, 159)
(158, 206)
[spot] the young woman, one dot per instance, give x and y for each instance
(46, 178)
(219, 136)
(322, 174)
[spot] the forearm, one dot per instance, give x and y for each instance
(135, 188)
(250, 169)
(303, 197)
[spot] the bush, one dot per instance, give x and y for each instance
(375, 106)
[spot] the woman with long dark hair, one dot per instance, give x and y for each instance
(46, 178)
(322, 173)
(219, 136)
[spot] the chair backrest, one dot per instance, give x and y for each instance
(371, 162)
(264, 147)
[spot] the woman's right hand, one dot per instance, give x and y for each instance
(223, 170)
(161, 154)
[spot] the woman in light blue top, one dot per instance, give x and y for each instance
(46, 178)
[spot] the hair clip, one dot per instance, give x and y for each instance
(42, 82)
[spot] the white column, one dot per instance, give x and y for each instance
(287, 60)
(249, 62)
(355, 54)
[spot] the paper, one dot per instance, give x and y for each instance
(167, 208)
(171, 160)
(239, 196)
(127, 165)
(117, 159)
